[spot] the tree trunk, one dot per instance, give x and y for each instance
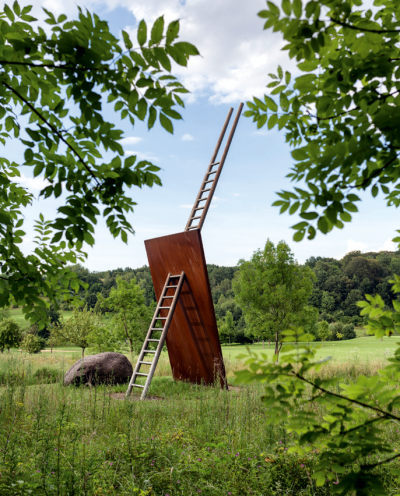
(83, 352)
(229, 339)
(269, 343)
(263, 344)
(277, 346)
(51, 349)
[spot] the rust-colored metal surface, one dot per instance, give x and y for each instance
(193, 342)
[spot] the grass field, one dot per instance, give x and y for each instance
(16, 313)
(187, 440)
(367, 348)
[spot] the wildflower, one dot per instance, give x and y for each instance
(199, 490)
(55, 449)
(229, 493)
(249, 458)
(110, 463)
(280, 442)
(199, 459)
(178, 482)
(302, 465)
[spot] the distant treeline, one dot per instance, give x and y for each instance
(338, 285)
(341, 283)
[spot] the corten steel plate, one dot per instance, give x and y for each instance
(192, 341)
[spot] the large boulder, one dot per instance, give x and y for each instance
(104, 368)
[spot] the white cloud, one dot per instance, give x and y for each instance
(143, 155)
(187, 137)
(131, 140)
(32, 184)
(236, 53)
(388, 245)
(355, 246)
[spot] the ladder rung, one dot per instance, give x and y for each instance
(193, 227)
(149, 351)
(137, 385)
(204, 190)
(165, 297)
(174, 276)
(156, 328)
(172, 286)
(198, 208)
(163, 308)
(215, 163)
(213, 172)
(154, 340)
(140, 373)
(161, 318)
(194, 218)
(210, 181)
(147, 363)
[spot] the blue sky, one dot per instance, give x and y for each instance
(237, 56)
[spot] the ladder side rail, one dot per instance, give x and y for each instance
(149, 332)
(213, 158)
(223, 158)
(163, 336)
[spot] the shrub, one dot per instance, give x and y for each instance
(349, 332)
(33, 344)
(10, 334)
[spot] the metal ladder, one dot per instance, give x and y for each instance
(171, 291)
(210, 180)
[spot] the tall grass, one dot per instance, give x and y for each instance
(187, 440)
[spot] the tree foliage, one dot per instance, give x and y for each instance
(55, 87)
(32, 344)
(272, 290)
(341, 114)
(76, 329)
(344, 422)
(129, 316)
(10, 334)
(323, 330)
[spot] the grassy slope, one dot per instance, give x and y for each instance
(368, 347)
(16, 313)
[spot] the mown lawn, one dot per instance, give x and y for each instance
(352, 349)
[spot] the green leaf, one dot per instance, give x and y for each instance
(172, 32)
(270, 103)
(300, 154)
(166, 123)
(187, 48)
(16, 8)
(157, 31)
(286, 7)
(142, 33)
(297, 8)
(127, 40)
(9, 13)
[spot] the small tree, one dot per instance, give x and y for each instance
(76, 329)
(272, 290)
(130, 317)
(10, 334)
(32, 344)
(323, 331)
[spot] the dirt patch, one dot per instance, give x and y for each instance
(121, 396)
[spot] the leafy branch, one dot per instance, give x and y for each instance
(54, 129)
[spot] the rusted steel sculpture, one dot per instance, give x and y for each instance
(184, 317)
